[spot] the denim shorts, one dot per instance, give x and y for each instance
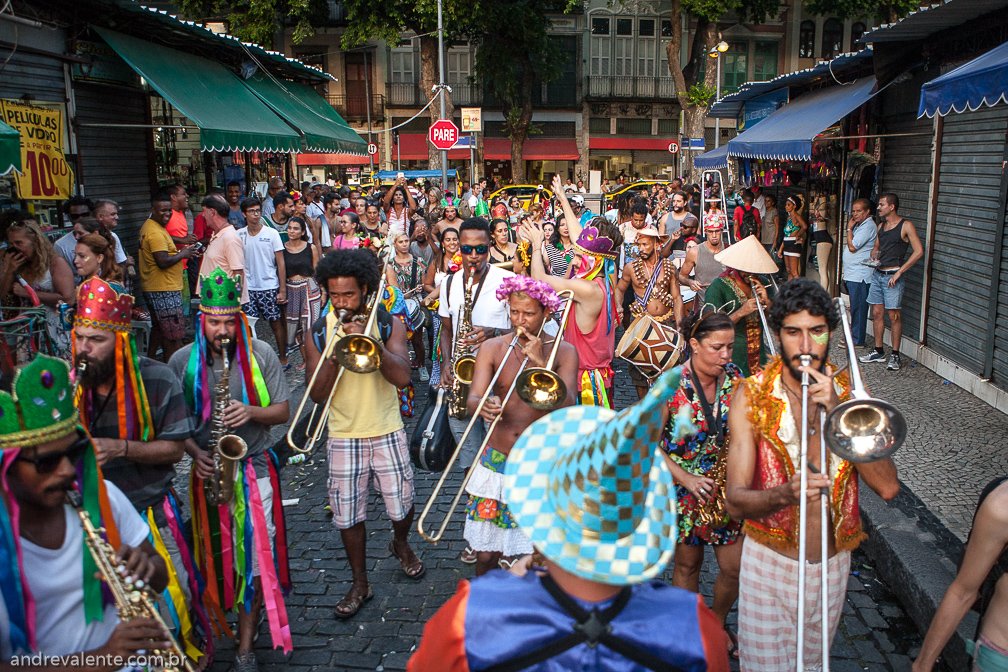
(879, 291)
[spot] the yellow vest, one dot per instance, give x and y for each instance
(365, 405)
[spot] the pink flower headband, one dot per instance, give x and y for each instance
(537, 289)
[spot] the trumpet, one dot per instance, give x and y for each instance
(436, 537)
(767, 336)
(358, 353)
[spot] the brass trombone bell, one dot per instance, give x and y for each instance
(541, 387)
(358, 353)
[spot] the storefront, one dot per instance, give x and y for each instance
(632, 158)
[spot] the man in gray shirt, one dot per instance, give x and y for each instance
(859, 235)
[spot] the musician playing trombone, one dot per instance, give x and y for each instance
(489, 528)
(764, 486)
(366, 437)
(736, 292)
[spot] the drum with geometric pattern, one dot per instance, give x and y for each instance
(650, 346)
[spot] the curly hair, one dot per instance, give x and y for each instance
(99, 244)
(802, 294)
(41, 260)
(356, 263)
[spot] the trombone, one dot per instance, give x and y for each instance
(862, 429)
(436, 537)
(540, 387)
(360, 353)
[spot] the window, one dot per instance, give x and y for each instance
(806, 40)
(598, 125)
(623, 48)
(668, 128)
(832, 39)
(601, 45)
(458, 66)
(856, 32)
(666, 28)
(402, 66)
(633, 126)
(765, 61)
(646, 48)
(735, 67)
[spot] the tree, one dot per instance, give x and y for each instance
(260, 21)
(388, 19)
(886, 12)
(514, 54)
(694, 94)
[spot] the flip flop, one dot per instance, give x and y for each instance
(406, 570)
(355, 603)
(733, 640)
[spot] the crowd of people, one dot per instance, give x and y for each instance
(510, 312)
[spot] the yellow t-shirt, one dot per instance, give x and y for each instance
(365, 404)
(155, 238)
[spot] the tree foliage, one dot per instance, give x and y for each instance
(259, 21)
(886, 12)
(388, 19)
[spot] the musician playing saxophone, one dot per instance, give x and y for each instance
(697, 461)
(258, 400)
(45, 445)
(489, 528)
(366, 436)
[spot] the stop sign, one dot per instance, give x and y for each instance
(443, 134)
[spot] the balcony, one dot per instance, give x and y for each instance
(404, 94)
(354, 107)
(611, 87)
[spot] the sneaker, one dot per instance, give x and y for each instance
(245, 662)
(894, 362)
(424, 375)
(873, 356)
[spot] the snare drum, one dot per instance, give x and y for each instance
(416, 313)
(650, 346)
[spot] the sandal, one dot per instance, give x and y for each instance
(507, 563)
(354, 603)
(733, 641)
(468, 556)
(415, 570)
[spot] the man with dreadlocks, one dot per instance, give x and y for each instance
(134, 410)
(52, 599)
(238, 536)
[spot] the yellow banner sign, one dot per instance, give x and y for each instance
(45, 172)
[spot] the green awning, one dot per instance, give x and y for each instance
(324, 130)
(229, 116)
(10, 149)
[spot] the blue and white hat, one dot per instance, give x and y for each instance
(589, 488)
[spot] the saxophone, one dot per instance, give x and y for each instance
(227, 449)
(714, 513)
(132, 600)
(463, 359)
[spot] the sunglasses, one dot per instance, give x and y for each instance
(76, 215)
(46, 464)
(478, 249)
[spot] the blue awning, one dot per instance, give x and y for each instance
(712, 160)
(982, 81)
(787, 133)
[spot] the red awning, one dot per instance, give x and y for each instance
(658, 144)
(413, 147)
(535, 149)
(335, 159)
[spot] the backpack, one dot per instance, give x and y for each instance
(748, 226)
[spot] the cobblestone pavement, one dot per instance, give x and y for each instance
(875, 633)
(955, 443)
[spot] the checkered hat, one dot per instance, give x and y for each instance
(589, 489)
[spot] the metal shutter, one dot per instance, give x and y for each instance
(906, 172)
(114, 160)
(1000, 366)
(968, 213)
(39, 76)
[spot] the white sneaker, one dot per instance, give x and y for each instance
(424, 376)
(873, 356)
(894, 362)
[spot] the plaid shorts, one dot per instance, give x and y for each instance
(353, 463)
(166, 314)
(263, 304)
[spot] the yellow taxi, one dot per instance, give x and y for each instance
(526, 193)
(633, 186)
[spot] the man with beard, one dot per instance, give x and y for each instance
(655, 291)
(679, 224)
(134, 410)
(732, 293)
(489, 528)
(53, 602)
(764, 488)
(250, 546)
(701, 260)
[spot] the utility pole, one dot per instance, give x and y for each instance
(367, 103)
(441, 90)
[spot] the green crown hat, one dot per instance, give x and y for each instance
(220, 294)
(41, 407)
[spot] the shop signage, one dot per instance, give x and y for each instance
(443, 134)
(472, 120)
(105, 65)
(46, 174)
(759, 108)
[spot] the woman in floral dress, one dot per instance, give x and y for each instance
(705, 389)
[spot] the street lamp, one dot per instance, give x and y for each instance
(715, 53)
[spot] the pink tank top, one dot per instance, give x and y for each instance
(595, 349)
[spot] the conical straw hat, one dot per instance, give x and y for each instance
(747, 256)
